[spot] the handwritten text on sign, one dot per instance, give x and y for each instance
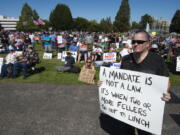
(133, 97)
(178, 64)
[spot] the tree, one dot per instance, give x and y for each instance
(93, 26)
(61, 18)
(26, 19)
(35, 15)
(175, 22)
(122, 19)
(81, 24)
(135, 25)
(46, 26)
(106, 25)
(146, 19)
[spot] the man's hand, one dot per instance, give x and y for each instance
(166, 96)
(99, 83)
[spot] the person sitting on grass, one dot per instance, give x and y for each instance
(69, 64)
(25, 61)
(87, 73)
(7, 68)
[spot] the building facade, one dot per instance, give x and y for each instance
(8, 23)
(160, 25)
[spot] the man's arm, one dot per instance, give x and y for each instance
(167, 95)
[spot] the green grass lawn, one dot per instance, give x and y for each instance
(50, 76)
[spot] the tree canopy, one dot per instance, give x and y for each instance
(106, 25)
(61, 18)
(146, 19)
(122, 19)
(80, 24)
(175, 22)
(26, 19)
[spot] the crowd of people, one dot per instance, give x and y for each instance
(137, 51)
(87, 45)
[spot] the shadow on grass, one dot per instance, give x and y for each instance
(38, 70)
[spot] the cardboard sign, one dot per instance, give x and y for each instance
(178, 64)
(47, 56)
(1, 63)
(87, 75)
(133, 97)
(109, 57)
(64, 54)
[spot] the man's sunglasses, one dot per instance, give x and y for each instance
(138, 41)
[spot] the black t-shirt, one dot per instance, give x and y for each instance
(176, 51)
(69, 61)
(152, 64)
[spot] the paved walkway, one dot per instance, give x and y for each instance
(42, 109)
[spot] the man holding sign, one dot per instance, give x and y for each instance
(140, 60)
(144, 61)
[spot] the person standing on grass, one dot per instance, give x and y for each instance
(142, 60)
(47, 43)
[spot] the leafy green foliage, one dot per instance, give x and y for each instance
(122, 19)
(106, 25)
(80, 24)
(135, 25)
(35, 15)
(93, 26)
(26, 19)
(61, 18)
(144, 20)
(175, 23)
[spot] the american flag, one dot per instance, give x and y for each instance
(41, 22)
(35, 22)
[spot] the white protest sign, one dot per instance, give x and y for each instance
(116, 65)
(59, 56)
(1, 64)
(18, 53)
(106, 39)
(64, 54)
(109, 57)
(59, 40)
(133, 97)
(178, 64)
(117, 45)
(47, 56)
(100, 37)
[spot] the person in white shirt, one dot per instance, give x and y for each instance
(97, 51)
(10, 60)
(125, 51)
